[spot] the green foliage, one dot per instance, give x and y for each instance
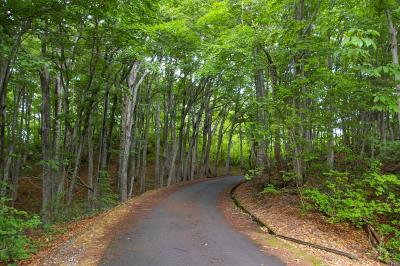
(320, 199)
(14, 244)
(390, 151)
(271, 189)
(81, 209)
(385, 100)
(107, 198)
(288, 176)
(252, 173)
(364, 200)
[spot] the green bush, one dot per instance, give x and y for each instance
(107, 198)
(390, 151)
(81, 209)
(271, 189)
(252, 173)
(14, 244)
(368, 199)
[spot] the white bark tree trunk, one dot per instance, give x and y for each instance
(129, 103)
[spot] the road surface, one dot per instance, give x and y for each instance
(186, 229)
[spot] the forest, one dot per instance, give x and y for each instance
(103, 100)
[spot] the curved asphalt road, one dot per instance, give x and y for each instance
(186, 229)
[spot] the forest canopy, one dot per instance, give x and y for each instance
(102, 100)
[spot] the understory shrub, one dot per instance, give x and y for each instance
(80, 209)
(14, 244)
(252, 173)
(107, 198)
(371, 199)
(390, 151)
(271, 189)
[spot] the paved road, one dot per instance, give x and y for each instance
(186, 229)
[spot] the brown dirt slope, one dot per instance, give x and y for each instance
(283, 214)
(287, 253)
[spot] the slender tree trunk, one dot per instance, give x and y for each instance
(127, 123)
(228, 153)
(241, 147)
(171, 172)
(90, 162)
(145, 141)
(261, 147)
(11, 156)
(75, 173)
(101, 167)
(20, 147)
(46, 149)
(15, 180)
(132, 166)
(167, 106)
(27, 126)
(219, 143)
(171, 176)
(274, 82)
(139, 149)
(395, 57)
(194, 140)
(6, 63)
(129, 104)
(331, 151)
(58, 175)
(207, 166)
(297, 162)
(109, 139)
(330, 135)
(206, 125)
(158, 142)
(390, 126)
(193, 159)
(67, 132)
(181, 137)
(186, 168)
(207, 137)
